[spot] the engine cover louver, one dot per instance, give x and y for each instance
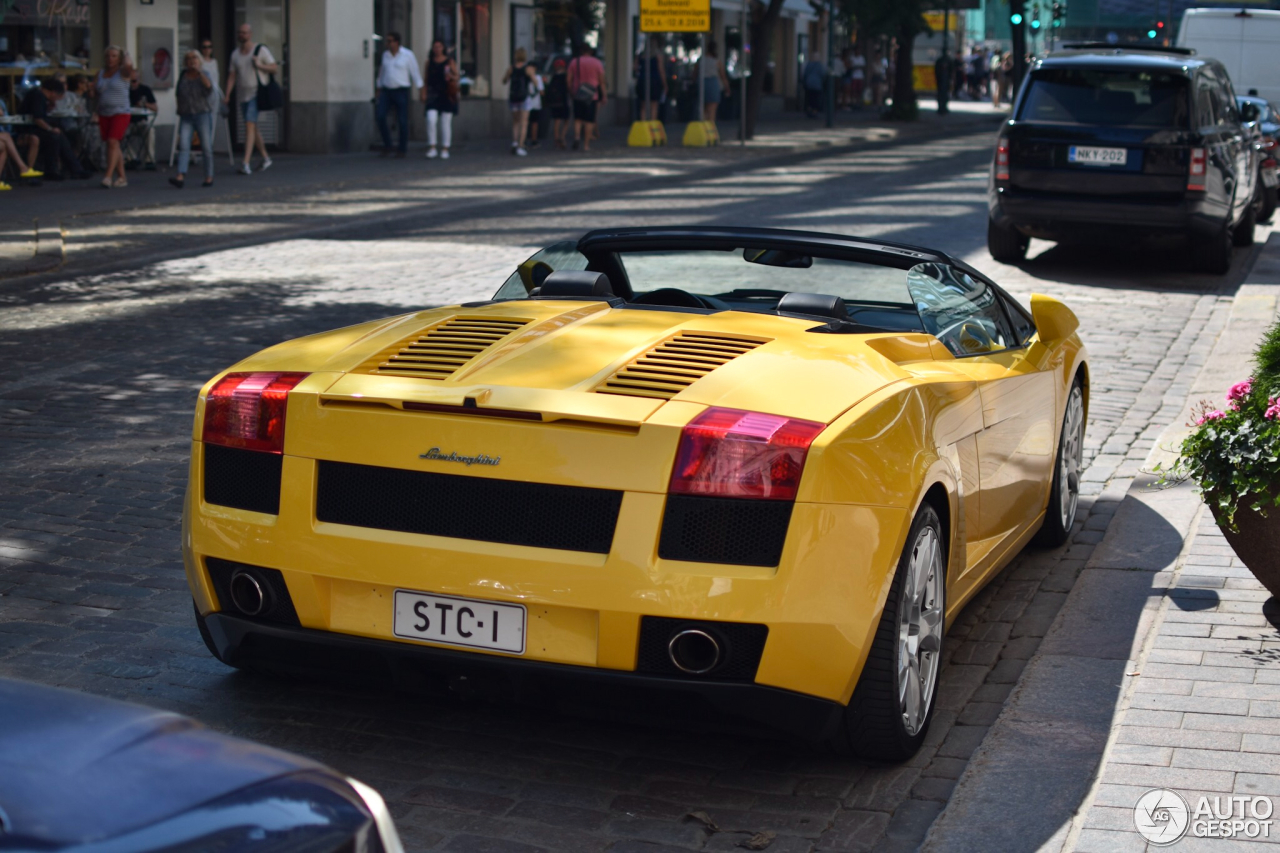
(441, 351)
(675, 364)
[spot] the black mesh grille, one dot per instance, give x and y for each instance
(279, 604)
(242, 479)
(506, 511)
(741, 647)
(739, 531)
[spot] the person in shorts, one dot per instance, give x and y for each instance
(534, 106)
(521, 88)
(111, 87)
(587, 89)
(248, 63)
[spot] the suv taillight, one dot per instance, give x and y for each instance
(729, 453)
(1196, 171)
(247, 410)
(1002, 160)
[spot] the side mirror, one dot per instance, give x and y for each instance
(1054, 320)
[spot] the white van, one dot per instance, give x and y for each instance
(1246, 41)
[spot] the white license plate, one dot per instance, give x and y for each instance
(1097, 156)
(452, 621)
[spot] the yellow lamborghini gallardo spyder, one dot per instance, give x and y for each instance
(761, 469)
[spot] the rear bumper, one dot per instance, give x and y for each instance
(1053, 216)
(240, 641)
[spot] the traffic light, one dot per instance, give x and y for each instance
(1015, 19)
(1151, 34)
(1035, 24)
(1059, 12)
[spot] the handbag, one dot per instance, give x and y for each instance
(585, 91)
(270, 95)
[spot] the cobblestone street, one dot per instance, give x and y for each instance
(98, 377)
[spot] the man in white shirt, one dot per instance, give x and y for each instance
(249, 62)
(397, 76)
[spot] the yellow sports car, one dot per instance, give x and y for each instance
(759, 468)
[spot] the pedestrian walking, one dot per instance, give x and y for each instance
(520, 84)
(651, 93)
(246, 66)
(141, 97)
(440, 95)
(535, 110)
(195, 116)
(556, 101)
(397, 75)
(588, 90)
(715, 82)
(111, 87)
(814, 78)
(857, 77)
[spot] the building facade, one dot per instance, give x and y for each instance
(329, 51)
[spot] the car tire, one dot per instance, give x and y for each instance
(1212, 254)
(1064, 491)
(878, 722)
(1267, 204)
(1242, 234)
(1006, 245)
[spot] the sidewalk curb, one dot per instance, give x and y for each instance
(43, 252)
(1050, 742)
(419, 215)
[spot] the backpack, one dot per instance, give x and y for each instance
(519, 91)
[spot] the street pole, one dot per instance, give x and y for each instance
(742, 79)
(701, 77)
(831, 63)
(648, 53)
(943, 75)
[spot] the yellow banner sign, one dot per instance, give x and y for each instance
(675, 16)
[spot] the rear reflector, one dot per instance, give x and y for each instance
(247, 410)
(1002, 160)
(1196, 171)
(734, 454)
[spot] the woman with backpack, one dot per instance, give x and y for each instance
(556, 101)
(522, 87)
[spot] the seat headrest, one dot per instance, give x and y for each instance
(571, 284)
(813, 305)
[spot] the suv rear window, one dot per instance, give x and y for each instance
(1116, 98)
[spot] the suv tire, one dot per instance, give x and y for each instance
(1242, 235)
(1006, 245)
(1212, 253)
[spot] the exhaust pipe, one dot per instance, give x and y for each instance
(694, 651)
(247, 594)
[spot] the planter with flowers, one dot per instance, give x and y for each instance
(1233, 453)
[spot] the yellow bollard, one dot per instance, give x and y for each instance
(701, 134)
(647, 134)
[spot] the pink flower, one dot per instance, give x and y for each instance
(1215, 415)
(1240, 391)
(1273, 409)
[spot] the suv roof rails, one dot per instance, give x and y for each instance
(1145, 48)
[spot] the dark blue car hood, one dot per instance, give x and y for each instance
(76, 768)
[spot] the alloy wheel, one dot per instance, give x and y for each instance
(920, 624)
(1071, 459)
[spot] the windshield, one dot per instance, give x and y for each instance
(1113, 98)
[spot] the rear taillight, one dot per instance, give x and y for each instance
(734, 454)
(1196, 171)
(1268, 144)
(1002, 160)
(247, 410)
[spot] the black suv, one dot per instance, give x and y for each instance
(1107, 142)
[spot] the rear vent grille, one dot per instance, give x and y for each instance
(675, 364)
(440, 352)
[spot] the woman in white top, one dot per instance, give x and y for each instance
(209, 65)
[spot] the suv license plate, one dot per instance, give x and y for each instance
(1087, 156)
(451, 621)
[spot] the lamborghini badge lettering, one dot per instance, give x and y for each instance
(435, 455)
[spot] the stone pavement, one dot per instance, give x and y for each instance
(96, 388)
(308, 195)
(1163, 668)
